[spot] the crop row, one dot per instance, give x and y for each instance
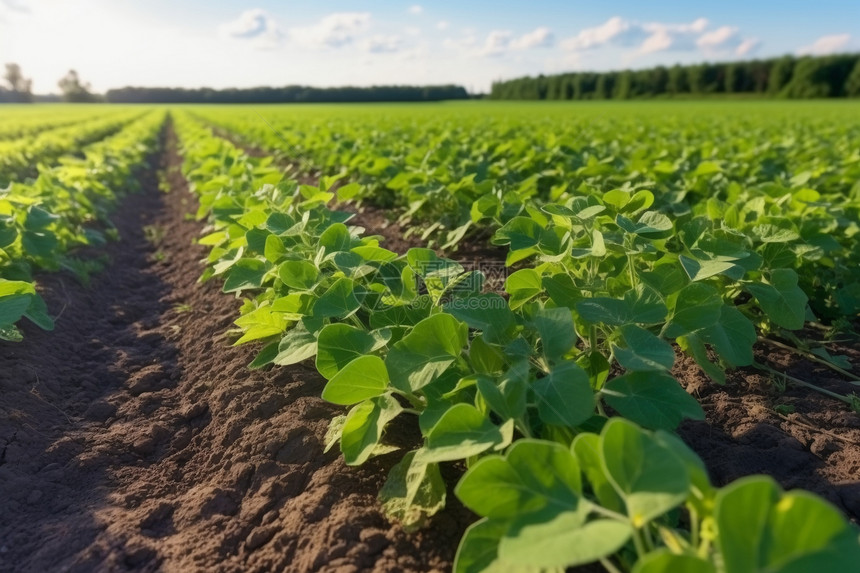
(19, 158)
(516, 388)
(752, 190)
(43, 219)
(26, 122)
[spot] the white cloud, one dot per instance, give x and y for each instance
(383, 44)
(416, 9)
(496, 44)
(538, 38)
(442, 25)
(677, 37)
(653, 37)
(659, 41)
(826, 45)
(499, 42)
(718, 39)
(748, 47)
(254, 24)
(335, 30)
(615, 30)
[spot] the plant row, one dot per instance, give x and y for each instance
(516, 388)
(777, 186)
(65, 207)
(19, 158)
(27, 121)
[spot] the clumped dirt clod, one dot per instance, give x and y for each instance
(134, 437)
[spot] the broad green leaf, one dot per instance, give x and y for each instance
(426, 352)
(664, 561)
(763, 529)
(338, 301)
(39, 243)
(523, 285)
(413, 492)
(363, 378)
(535, 475)
(488, 313)
(301, 275)
(245, 274)
(782, 301)
(520, 233)
(274, 250)
(37, 313)
(339, 344)
(15, 287)
(732, 337)
(644, 351)
(604, 310)
(697, 306)
(776, 230)
(666, 279)
(461, 432)
(485, 358)
(652, 399)
(564, 397)
(557, 332)
(336, 238)
(650, 478)
(364, 425)
(507, 396)
(557, 540)
(699, 270)
(478, 551)
(297, 344)
(13, 307)
(38, 218)
(586, 448)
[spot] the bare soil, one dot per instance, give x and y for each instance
(134, 437)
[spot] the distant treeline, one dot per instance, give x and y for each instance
(788, 76)
(288, 94)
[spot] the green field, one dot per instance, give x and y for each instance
(638, 241)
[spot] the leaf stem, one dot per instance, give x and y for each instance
(609, 513)
(637, 541)
(694, 526)
(607, 564)
(803, 383)
(810, 356)
(649, 538)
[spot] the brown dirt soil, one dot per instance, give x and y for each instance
(134, 437)
(816, 447)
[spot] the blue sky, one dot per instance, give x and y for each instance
(221, 43)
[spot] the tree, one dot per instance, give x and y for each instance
(852, 84)
(624, 85)
(780, 75)
(21, 88)
(821, 77)
(605, 86)
(73, 90)
(676, 83)
(659, 80)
